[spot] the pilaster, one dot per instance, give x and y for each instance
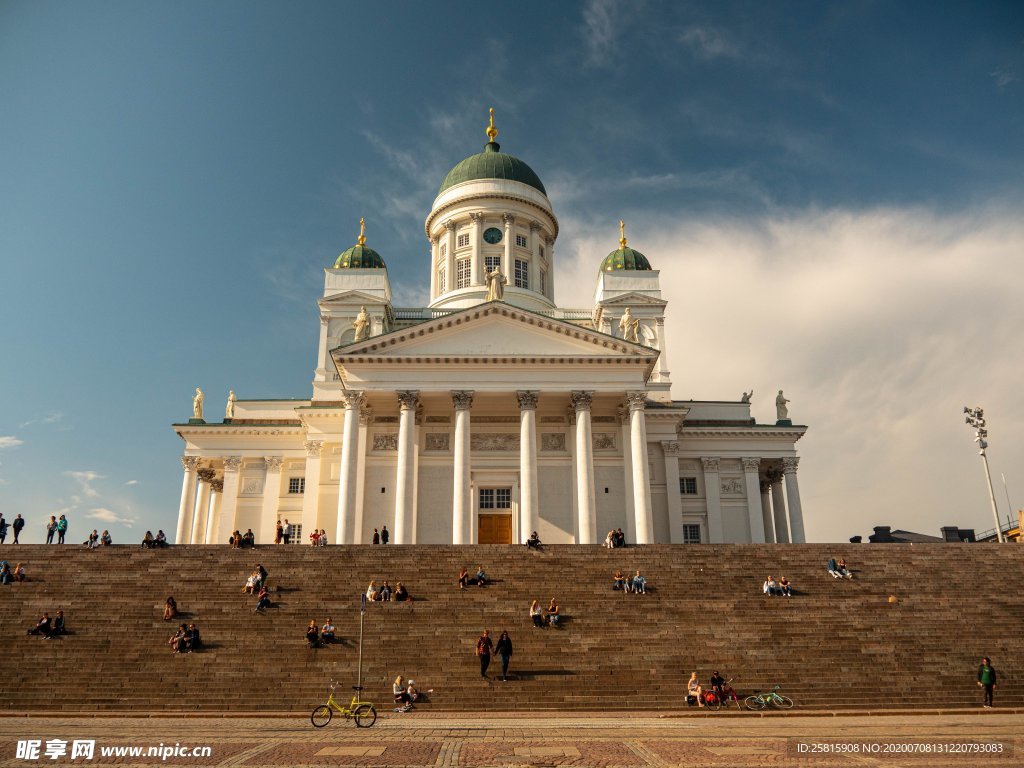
(713, 492)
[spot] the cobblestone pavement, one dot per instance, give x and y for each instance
(527, 741)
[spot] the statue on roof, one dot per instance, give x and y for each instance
(629, 327)
(197, 404)
(362, 325)
(782, 412)
(496, 285)
(747, 395)
(229, 411)
(597, 316)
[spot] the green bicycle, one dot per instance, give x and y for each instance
(773, 698)
(363, 712)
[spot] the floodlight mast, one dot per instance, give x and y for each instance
(976, 418)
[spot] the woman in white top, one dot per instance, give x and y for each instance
(693, 689)
(402, 697)
(537, 614)
(371, 591)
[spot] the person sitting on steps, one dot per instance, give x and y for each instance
(537, 614)
(178, 639)
(609, 540)
(785, 587)
(19, 573)
(249, 539)
(312, 635)
(192, 639)
(639, 584)
(327, 631)
(147, 540)
(463, 577)
(843, 570)
(618, 580)
(620, 538)
(93, 541)
(262, 600)
(401, 593)
(42, 627)
(6, 576)
(385, 592)
(402, 697)
(694, 691)
(833, 569)
(59, 627)
(770, 587)
(105, 539)
(481, 577)
(170, 609)
(553, 613)
(372, 591)
(161, 539)
(534, 541)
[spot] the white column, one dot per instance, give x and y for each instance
(449, 257)
(365, 420)
(766, 512)
(751, 468)
(405, 473)
(550, 242)
(533, 268)
(213, 520)
(529, 498)
(641, 470)
(627, 472)
(675, 502)
(347, 478)
(663, 372)
(796, 513)
(433, 268)
(574, 458)
(506, 268)
(199, 519)
(585, 469)
(229, 499)
(311, 493)
(187, 507)
(713, 493)
(477, 259)
(271, 500)
(462, 492)
(779, 507)
(321, 354)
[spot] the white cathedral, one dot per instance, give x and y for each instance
(491, 413)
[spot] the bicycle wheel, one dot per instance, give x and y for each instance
(754, 702)
(782, 702)
(714, 703)
(365, 715)
(321, 716)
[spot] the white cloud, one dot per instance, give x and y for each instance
(10, 441)
(85, 479)
(879, 325)
(601, 20)
(1003, 77)
(53, 417)
(710, 43)
(109, 516)
(132, 482)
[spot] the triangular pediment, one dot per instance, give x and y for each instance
(495, 330)
(634, 299)
(348, 298)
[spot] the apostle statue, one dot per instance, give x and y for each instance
(597, 316)
(495, 285)
(747, 395)
(229, 411)
(782, 412)
(197, 404)
(362, 325)
(629, 328)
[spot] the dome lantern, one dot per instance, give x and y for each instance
(625, 258)
(359, 256)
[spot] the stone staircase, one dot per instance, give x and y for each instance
(835, 644)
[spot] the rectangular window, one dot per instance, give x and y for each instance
(444, 249)
(495, 498)
(691, 534)
(462, 274)
(540, 250)
(463, 240)
(521, 241)
(492, 263)
(543, 280)
(296, 485)
(522, 273)
(688, 486)
(441, 285)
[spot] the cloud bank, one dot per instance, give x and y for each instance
(880, 326)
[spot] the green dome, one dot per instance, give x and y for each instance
(492, 164)
(360, 257)
(625, 258)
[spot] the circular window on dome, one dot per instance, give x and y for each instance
(492, 235)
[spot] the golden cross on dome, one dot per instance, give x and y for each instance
(362, 231)
(622, 233)
(492, 132)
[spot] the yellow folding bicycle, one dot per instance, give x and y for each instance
(363, 712)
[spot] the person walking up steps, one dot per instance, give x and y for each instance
(385, 537)
(484, 646)
(504, 651)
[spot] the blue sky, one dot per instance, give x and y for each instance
(845, 178)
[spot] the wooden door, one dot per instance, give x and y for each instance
(495, 529)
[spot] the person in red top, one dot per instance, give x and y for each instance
(484, 646)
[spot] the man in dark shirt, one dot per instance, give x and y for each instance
(16, 526)
(192, 638)
(987, 680)
(483, 649)
(385, 537)
(3, 529)
(58, 623)
(42, 628)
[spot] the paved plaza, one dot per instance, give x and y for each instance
(629, 740)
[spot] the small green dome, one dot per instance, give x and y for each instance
(625, 258)
(492, 164)
(360, 257)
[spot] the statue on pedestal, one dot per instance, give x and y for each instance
(629, 328)
(229, 411)
(362, 325)
(197, 404)
(747, 395)
(782, 412)
(495, 285)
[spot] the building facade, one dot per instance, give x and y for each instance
(492, 412)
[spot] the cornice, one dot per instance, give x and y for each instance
(794, 433)
(459, 201)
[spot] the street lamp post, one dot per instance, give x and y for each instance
(976, 418)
